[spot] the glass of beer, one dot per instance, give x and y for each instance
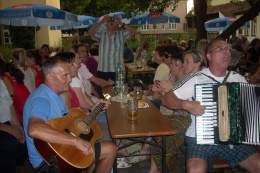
(132, 109)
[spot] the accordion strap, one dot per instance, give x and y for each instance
(223, 82)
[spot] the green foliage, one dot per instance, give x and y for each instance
(87, 39)
(22, 37)
(183, 36)
(75, 6)
(101, 7)
(133, 43)
(7, 52)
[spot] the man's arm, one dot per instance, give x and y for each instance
(131, 29)
(94, 29)
(101, 82)
(171, 101)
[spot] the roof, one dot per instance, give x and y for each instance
(228, 10)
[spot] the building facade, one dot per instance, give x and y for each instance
(162, 30)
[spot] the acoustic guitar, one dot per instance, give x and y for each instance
(76, 123)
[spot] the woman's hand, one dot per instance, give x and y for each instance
(17, 131)
(166, 85)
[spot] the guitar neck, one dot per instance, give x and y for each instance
(94, 113)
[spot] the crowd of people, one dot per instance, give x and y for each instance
(41, 84)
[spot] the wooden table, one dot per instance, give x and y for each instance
(135, 70)
(150, 123)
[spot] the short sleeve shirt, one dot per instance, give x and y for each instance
(45, 104)
(111, 49)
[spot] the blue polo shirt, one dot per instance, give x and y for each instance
(45, 104)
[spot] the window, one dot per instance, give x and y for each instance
(7, 38)
(163, 28)
(240, 31)
(145, 27)
(253, 27)
(247, 32)
(172, 26)
(154, 27)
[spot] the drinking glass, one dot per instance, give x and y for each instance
(138, 92)
(123, 95)
(132, 109)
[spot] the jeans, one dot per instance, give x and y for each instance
(12, 152)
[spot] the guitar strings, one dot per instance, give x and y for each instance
(93, 114)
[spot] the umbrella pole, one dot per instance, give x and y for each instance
(35, 37)
(78, 34)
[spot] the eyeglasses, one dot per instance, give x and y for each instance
(221, 48)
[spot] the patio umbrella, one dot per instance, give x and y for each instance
(154, 18)
(83, 22)
(35, 15)
(222, 23)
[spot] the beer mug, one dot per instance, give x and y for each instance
(132, 109)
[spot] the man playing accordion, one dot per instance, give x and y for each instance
(201, 157)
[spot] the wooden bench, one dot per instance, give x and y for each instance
(220, 164)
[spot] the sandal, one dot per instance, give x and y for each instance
(121, 163)
(135, 159)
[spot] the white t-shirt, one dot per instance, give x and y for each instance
(5, 103)
(185, 90)
(85, 74)
(29, 78)
(77, 83)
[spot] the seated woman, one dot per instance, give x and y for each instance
(70, 97)
(19, 59)
(34, 60)
(12, 146)
(21, 93)
(181, 67)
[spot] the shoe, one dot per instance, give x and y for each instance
(121, 163)
(135, 159)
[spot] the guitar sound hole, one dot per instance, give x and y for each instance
(87, 137)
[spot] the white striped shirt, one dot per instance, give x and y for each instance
(111, 49)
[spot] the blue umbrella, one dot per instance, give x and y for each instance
(83, 22)
(35, 15)
(154, 18)
(222, 23)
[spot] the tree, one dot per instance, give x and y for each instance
(200, 9)
(101, 7)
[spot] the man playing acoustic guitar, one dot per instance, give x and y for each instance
(46, 103)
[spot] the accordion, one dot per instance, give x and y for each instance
(232, 114)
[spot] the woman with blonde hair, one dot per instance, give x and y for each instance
(20, 61)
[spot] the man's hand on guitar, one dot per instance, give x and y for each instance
(107, 102)
(84, 146)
